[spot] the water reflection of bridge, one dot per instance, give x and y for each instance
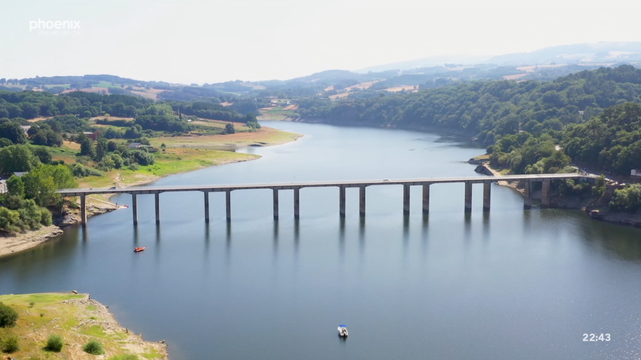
(528, 180)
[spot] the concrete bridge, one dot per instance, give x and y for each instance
(425, 183)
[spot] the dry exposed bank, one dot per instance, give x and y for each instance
(77, 319)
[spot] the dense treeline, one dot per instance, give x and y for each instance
(522, 120)
(611, 141)
(489, 109)
(86, 80)
(207, 110)
(33, 104)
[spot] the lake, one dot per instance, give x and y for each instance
(508, 284)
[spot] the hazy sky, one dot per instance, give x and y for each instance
(212, 41)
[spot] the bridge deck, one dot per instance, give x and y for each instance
(300, 185)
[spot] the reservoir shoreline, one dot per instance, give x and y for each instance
(521, 269)
(24, 241)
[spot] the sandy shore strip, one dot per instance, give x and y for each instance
(20, 242)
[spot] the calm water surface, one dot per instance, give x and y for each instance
(511, 284)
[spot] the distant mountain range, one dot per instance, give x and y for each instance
(603, 52)
(544, 64)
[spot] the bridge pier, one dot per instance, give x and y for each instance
(83, 209)
(426, 198)
(341, 200)
(545, 193)
(134, 207)
(228, 205)
(275, 204)
(406, 199)
(468, 196)
(296, 203)
(487, 191)
(527, 194)
(206, 205)
(361, 205)
(157, 201)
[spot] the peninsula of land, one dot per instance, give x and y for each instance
(77, 319)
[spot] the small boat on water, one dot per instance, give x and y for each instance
(342, 331)
(139, 249)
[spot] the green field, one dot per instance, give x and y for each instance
(276, 113)
(105, 84)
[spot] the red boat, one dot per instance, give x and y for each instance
(139, 249)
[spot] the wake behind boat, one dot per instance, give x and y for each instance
(342, 331)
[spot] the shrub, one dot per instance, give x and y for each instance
(45, 217)
(54, 343)
(11, 345)
(93, 347)
(627, 199)
(8, 316)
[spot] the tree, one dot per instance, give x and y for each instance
(101, 149)
(39, 187)
(30, 111)
(47, 137)
(229, 129)
(112, 146)
(15, 186)
(13, 132)
(42, 182)
(17, 158)
(117, 161)
(599, 186)
(10, 220)
(43, 155)
(86, 147)
(251, 121)
(133, 132)
(8, 316)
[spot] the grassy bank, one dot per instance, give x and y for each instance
(173, 161)
(77, 319)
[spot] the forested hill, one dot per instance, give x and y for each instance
(32, 104)
(489, 110)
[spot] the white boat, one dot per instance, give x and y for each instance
(342, 331)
